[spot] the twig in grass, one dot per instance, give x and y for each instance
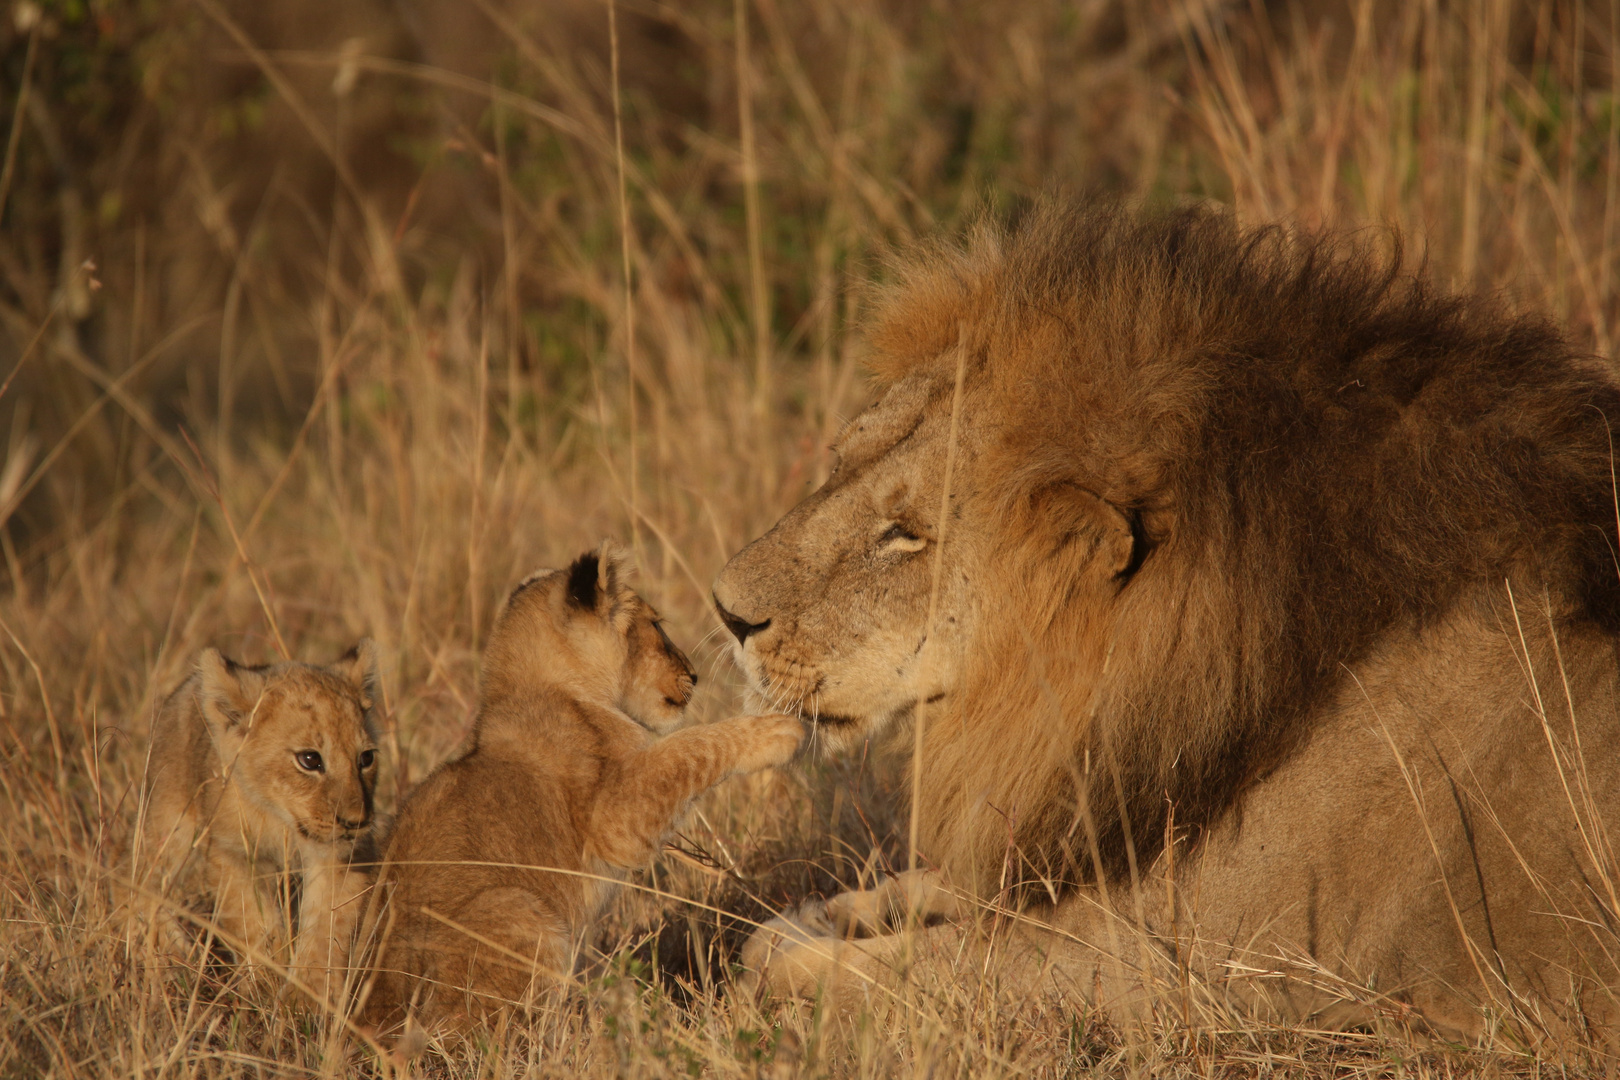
(933, 591)
(85, 269)
(629, 280)
(17, 114)
(382, 254)
(206, 479)
(45, 699)
(759, 310)
(665, 211)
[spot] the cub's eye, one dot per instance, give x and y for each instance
(899, 538)
(309, 761)
(367, 759)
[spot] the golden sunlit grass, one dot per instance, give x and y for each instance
(385, 445)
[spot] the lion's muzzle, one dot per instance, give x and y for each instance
(740, 627)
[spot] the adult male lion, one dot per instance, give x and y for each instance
(1240, 567)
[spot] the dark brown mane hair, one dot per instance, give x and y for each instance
(1315, 449)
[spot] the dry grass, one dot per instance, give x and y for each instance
(242, 430)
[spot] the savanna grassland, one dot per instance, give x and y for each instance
(321, 320)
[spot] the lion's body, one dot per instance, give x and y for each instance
(501, 860)
(232, 819)
(1252, 544)
(1430, 805)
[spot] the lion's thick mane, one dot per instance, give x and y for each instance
(1315, 450)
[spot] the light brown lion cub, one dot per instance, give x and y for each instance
(260, 779)
(565, 772)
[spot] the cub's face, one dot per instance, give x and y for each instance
(659, 680)
(584, 629)
(296, 740)
(830, 610)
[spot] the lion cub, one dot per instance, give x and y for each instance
(501, 859)
(259, 778)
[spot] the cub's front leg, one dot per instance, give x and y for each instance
(333, 898)
(640, 802)
(244, 910)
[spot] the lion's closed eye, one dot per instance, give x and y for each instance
(898, 538)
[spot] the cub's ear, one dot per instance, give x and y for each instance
(583, 573)
(358, 667)
(228, 692)
(597, 578)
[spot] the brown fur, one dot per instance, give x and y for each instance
(1205, 478)
(231, 813)
(564, 774)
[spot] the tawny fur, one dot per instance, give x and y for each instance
(502, 859)
(235, 822)
(1224, 502)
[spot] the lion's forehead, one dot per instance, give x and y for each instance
(891, 420)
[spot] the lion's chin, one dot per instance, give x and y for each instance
(833, 734)
(839, 732)
(836, 721)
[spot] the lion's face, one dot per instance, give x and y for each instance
(831, 608)
(296, 742)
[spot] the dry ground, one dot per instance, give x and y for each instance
(315, 325)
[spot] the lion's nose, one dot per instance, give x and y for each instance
(739, 627)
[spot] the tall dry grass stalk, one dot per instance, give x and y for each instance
(364, 432)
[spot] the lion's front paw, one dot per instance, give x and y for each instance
(789, 956)
(862, 913)
(919, 895)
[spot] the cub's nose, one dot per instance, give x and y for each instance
(353, 824)
(739, 627)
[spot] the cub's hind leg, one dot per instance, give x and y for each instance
(632, 812)
(503, 950)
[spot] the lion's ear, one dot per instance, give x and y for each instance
(1084, 531)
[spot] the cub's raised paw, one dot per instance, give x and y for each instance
(774, 739)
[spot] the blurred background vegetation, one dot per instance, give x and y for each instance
(330, 317)
(245, 178)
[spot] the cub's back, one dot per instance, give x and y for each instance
(180, 762)
(484, 809)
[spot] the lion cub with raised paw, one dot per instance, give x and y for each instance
(259, 787)
(501, 860)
